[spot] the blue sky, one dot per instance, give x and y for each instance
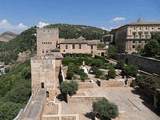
(17, 15)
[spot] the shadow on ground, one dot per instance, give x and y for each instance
(147, 101)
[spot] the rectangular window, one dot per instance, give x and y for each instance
(73, 46)
(133, 46)
(79, 46)
(134, 35)
(66, 46)
(91, 46)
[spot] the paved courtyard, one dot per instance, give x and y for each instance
(130, 105)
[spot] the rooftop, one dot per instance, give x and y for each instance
(139, 22)
(80, 40)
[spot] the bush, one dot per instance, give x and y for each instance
(130, 70)
(152, 48)
(112, 51)
(83, 76)
(69, 75)
(69, 87)
(98, 73)
(120, 65)
(105, 110)
(112, 73)
(8, 110)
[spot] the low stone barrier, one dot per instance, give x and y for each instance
(86, 85)
(61, 117)
(111, 83)
(81, 99)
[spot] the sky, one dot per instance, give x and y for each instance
(18, 15)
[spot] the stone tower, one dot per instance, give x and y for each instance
(45, 66)
(47, 40)
(45, 73)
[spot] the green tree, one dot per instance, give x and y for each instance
(8, 110)
(69, 87)
(112, 73)
(105, 110)
(152, 48)
(112, 50)
(98, 73)
(131, 70)
(120, 65)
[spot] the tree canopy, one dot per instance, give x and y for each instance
(69, 87)
(105, 110)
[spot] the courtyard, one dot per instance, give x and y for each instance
(131, 106)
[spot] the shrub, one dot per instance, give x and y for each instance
(112, 73)
(130, 70)
(112, 51)
(83, 76)
(105, 110)
(70, 74)
(98, 73)
(120, 65)
(69, 87)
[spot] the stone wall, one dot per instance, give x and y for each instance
(112, 83)
(146, 64)
(61, 117)
(86, 85)
(81, 99)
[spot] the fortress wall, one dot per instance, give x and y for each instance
(146, 64)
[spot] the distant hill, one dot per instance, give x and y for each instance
(75, 31)
(27, 39)
(7, 36)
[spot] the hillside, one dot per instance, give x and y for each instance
(15, 90)
(7, 36)
(27, 39)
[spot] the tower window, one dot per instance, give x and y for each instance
(133, 46)
(73, 46)
(91, 46)
(47, 94)
(42, 85)
(79, 46)
(66, 46)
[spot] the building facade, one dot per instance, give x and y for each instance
(81, 46)
(48, 40)
(132, 37)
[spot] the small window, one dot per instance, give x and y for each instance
(79, 46)
(91, 46)
(47, 94)
(133, 46)
(42, 85)
(134, 41)
(66, 46)
(73, 46)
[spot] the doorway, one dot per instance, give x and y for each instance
(42, 84)
(47, 94)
